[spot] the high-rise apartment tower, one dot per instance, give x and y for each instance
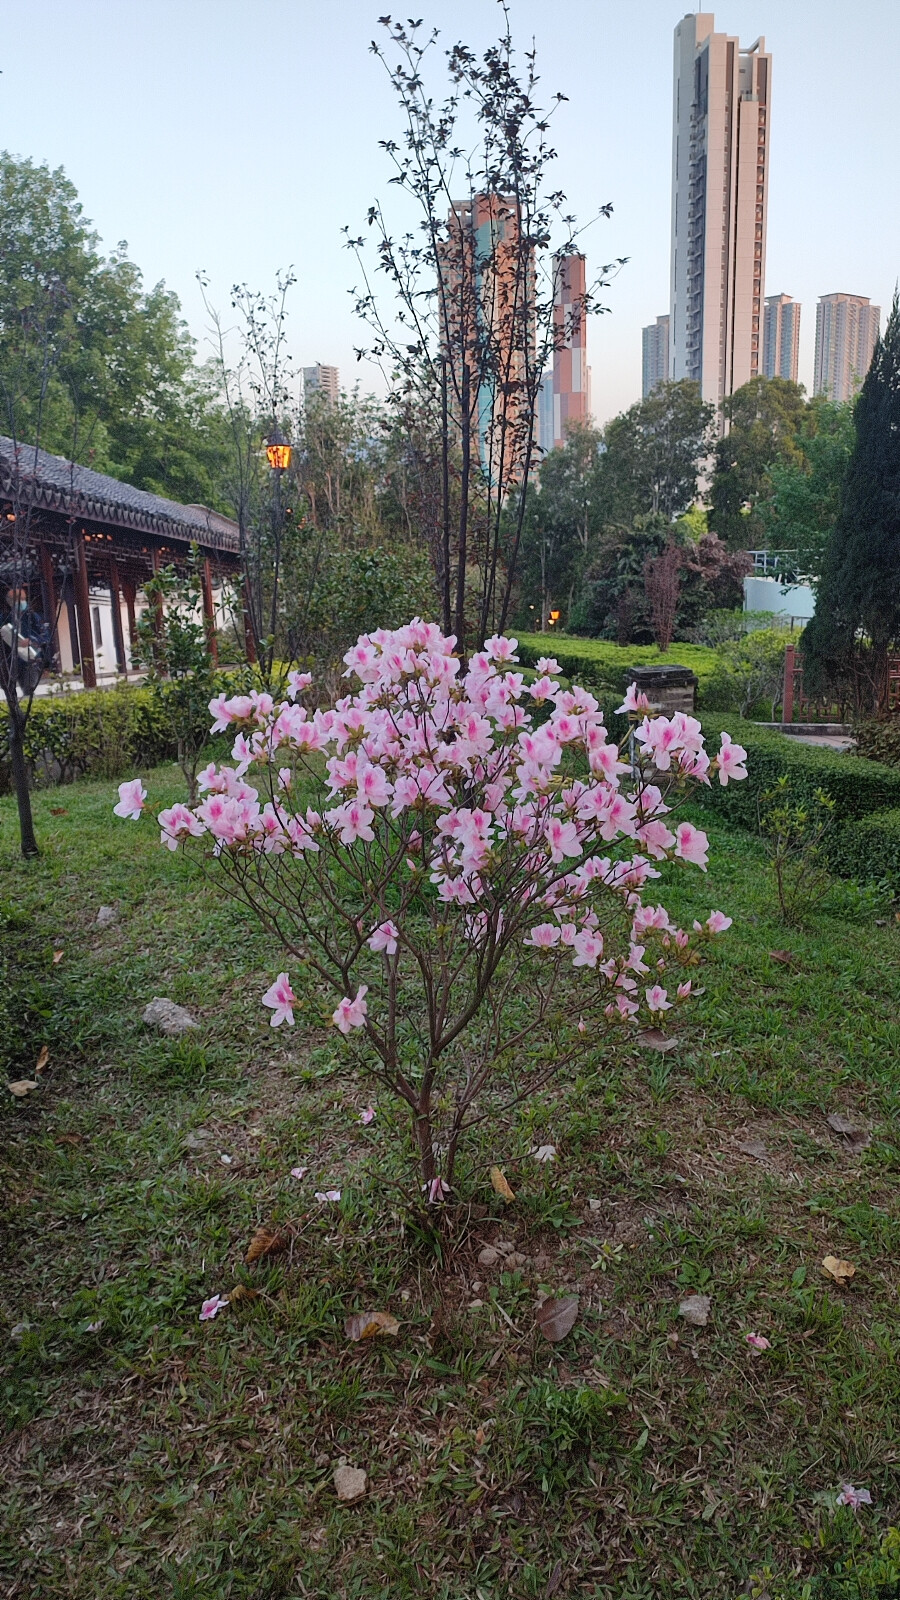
(322, 380)
(654, 355)
(720, 167)
(571, 373)
(781, 337)
(847, 329)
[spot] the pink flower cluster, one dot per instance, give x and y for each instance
(464, 781)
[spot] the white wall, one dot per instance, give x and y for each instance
(794, 600)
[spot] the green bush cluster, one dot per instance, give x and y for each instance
(856, 786)
(95, 733)
(879, 740)
(598, 661)
(869, 849)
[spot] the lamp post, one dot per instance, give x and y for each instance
(278, 455)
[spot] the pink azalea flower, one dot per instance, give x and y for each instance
(716, 922)
(657, 999)
(691, 844)
(588, 948)
(351, 1013)
(131, 799)
(544, 936)
(437, 1190)
(174, 822)
(731, 760)
(549, 665)
(367, 1116)
(384, 938)
(297, 682)
(684, 990)
(854, 1498)
(757, 1341)
(210, 1308)
(582, 1025)
(332, 1195)
(282, 999)
(635, 700)
(299, 1172)
(562, 838)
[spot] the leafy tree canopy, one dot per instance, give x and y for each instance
(763, 419)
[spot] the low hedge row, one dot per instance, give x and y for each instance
(592, 661)
(94, 733)
(869, 849)
(858, 787)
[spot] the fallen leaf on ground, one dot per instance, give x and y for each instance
(266, 1242)
(853, 1137)
(241, 1294)
(753, 1147)
(695, 1310)
(500, 1185)
(59, 811)
(545, 1152)
(556, 1318)
(786, 957)
(840, 1271)
(68, 1138)
(57, 956)
(42, 1059)
(350, 1484)
(554, 1580)
(21, 1087)
(366, 1324)
(655, 1039)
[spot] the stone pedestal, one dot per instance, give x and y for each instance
(668, 689)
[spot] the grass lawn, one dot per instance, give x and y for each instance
(145, 1453)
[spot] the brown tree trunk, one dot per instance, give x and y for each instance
(19, 772)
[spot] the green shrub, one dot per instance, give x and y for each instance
(97, 733)
(879, 740)
(598, 661)
(856, 786)
(868, 849)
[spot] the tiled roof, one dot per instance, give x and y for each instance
(55, 484)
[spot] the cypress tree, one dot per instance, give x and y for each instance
(857, 620)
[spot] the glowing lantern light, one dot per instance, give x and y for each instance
(278, 451)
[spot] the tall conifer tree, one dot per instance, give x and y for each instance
(857, 620)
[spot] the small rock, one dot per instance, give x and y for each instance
(169, 1018)
(197, 1138)
(695, 1310)
(516, 1259)
(350, 1484)
(488, 1257)
(107, 915)
(505, 1247)
(19, 1330)
(595, 1205)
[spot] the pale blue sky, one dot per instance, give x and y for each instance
(240, 135)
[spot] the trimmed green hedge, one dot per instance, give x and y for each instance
(599, 661)
(858, 787)
(869, 849)
(93, 733)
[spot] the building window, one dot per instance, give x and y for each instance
(98, 630)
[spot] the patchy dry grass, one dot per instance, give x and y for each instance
(147, 1454)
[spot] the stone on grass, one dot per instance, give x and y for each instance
(350, 1484)
(695, 1310)
(169, 1018)
(107, 915)
(488, 1257)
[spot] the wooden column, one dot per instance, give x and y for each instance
(116, 597)
(209, 610)
(83, 613)
(130, 593)
(157, 609)
(50, 601)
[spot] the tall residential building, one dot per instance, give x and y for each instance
(544, 415)
(571, 373)
(847, 328)
(720, 166)
(781, 337)
(322, 380)
(487, 316)
(655, 355)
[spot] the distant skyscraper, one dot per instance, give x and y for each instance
(720, 165)
(655, 352)
(571, 373)
(544, 417)
(322, 380)
(847, 329)
(781, 337)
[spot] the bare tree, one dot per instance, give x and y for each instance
(473, 287)
(662, 586)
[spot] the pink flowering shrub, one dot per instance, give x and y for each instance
(468, 896)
